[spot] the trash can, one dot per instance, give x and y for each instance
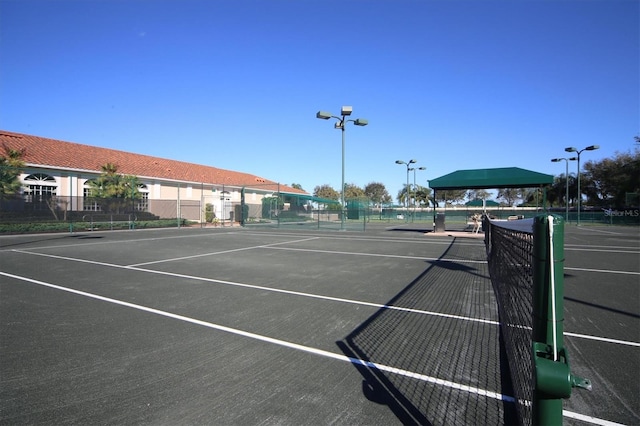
(439, 224)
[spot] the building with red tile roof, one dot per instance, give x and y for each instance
(64, 168)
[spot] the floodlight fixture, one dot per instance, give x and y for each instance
(341, 124)
(566, 183)
(574, 149)
(408, 163)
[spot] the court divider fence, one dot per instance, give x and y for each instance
(267, 207)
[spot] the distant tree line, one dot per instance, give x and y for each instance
(609, 182)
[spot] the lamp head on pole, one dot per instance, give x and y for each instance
(400, 162)
(592, 147)
(323, 115)
(571, 149)
(346, 110)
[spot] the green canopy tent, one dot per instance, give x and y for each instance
(506, 177)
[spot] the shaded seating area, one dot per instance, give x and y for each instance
(495, 178)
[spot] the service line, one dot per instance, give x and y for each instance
(222, 252)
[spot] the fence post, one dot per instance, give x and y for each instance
(277, 205)
(242, 206)
(364, 218)
(552, 377)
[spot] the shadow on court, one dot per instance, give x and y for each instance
(24, 240)
(603, 307)
(446, 351)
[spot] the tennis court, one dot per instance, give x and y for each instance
(249, 326)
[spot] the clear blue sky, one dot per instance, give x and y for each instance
(236, 84)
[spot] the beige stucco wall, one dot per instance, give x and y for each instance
(71, 183)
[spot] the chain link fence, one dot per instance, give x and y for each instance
(252, 208)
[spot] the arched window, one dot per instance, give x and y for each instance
(142, 204)
(39, 188)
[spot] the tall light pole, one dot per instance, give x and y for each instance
(408, 164)
(572, 149)
(341, 124)
(566, 184)
(415, 187)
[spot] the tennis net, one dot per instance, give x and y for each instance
(510, 255)
(526, 264)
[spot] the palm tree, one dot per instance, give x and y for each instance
(114, 189)
(404, 195)
(423, 195)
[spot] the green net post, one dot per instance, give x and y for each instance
(553, 380)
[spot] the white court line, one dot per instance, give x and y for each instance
(222, 252)
(401, 240)
(309, 349)
(589, 419)
(604, 271)
(262, 288)
(602, 339)
(395, 256)
(629, 250)
(579, 246)
(284, 343)
(136, 240)
(217, 234)
(581, 228)
(309, 295)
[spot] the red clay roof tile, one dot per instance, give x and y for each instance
(74, 156)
